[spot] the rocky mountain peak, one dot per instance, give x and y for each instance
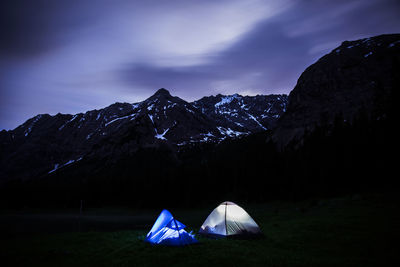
(360, 74)
(161, 93)
(162, 98)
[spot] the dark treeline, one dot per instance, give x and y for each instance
(343, 158)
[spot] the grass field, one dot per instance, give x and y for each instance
(349, 231)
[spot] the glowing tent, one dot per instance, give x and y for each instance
(228, 219)
(168, 231)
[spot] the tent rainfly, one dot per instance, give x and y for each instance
(228, 219)
(168, 231)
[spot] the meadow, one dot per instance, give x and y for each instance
(357, 230)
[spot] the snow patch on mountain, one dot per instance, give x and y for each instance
(73, 118)
(161, 136)
(151, 118)
(368, 54)
(229, 132)
(150, 107)
(226, 100)
(254, 119)
(57, 166)
(393, 44)
(120, 118)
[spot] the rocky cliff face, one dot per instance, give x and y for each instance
(361, 74)
(44, 144)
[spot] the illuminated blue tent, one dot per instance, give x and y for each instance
(168, 231)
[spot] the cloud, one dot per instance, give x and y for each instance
(70, 56)
(271, 56)
(256, 63)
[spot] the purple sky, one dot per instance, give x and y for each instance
(72, 56)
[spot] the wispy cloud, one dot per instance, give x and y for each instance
(70, 56)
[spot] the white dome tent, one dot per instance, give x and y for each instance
(228, 219)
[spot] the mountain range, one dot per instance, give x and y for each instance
(64, 139)
(334, 129)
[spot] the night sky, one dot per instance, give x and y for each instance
(72, 56)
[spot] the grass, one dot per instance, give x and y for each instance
(335, 232)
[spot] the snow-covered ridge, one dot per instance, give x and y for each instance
(225, 116)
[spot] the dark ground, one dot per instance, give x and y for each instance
(356, 230)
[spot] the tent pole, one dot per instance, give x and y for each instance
(176, 225)
(226, 228)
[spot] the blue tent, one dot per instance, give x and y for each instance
(168, 231)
